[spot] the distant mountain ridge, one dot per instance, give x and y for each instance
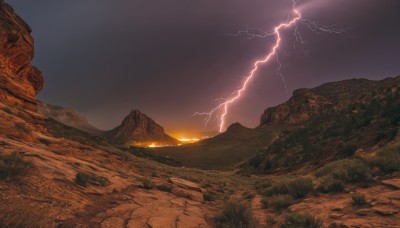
(67, 116)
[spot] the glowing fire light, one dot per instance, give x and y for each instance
(296, 17)
(189, 140)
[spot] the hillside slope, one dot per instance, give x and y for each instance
(329, 122)
(224, 151)
(67, 116)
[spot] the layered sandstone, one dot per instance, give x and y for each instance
(20, 81)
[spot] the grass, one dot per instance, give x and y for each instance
(12, 165)
(236, 214)
(278, 202)
(86, 179)
(248, 195)
(297, 220)
(387, 159)
(329, 184)
(297, 187)
(358, 199)
(347, 170)
(224, 151)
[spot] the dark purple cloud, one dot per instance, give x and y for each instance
(172, 58)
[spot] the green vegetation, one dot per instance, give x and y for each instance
(330, 184)
(347, 170)
(209, 196)
(224, 151)
(270, 220)
(358, 199)
(164, 188)
(82, 179)
(6, 109)
(278, 202)
(147, 184)
(249, 195)
(296, 220)
(236, 215)
(369, 118)
(12, 165)
(297, 187)
(86, 179)
(387, 159)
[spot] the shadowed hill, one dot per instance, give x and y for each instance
(223, 151)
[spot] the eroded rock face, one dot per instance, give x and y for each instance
(303, 105)
(19, 80)
(139, 129)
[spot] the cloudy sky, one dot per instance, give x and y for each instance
(172, 58)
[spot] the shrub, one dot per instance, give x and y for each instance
(296, 220)
(278, 202)
(346, 150)
(12, 165)
(387, 160)
(262, 185)
(209, 196)
(82, 179)
(6, 109)
(164, 188)
(347, 170)
(147, 184)
(249, 195)
(45, 141)
(330, 184)
(298, 187)
(236, 214)
(358, 199)
(271, 220)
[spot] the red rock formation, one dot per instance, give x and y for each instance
(138, 129)
(19, 80)
(304, 104)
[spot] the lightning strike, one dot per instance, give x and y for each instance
(294, 18)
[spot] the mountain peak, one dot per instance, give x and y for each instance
(139, 129)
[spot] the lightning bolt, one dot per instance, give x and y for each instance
(294, 18)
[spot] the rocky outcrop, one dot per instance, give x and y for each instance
(137, 129)
(19, 80)
(304, 104)
(67, 116)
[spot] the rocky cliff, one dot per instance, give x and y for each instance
(20, 81)
(137, 129)
(329, 97)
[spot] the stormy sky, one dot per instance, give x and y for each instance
(172, 58)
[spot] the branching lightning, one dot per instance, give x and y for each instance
(294, 19)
